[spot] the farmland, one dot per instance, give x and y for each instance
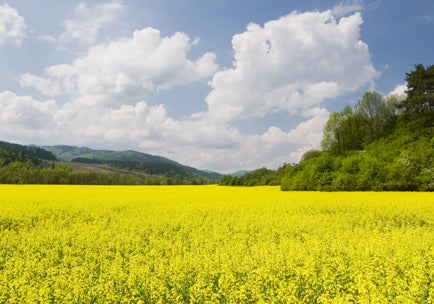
(214, 244)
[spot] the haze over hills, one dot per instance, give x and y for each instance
(239, 173)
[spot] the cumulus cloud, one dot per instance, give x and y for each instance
(152, 128)
(271, 149)
(22, 117)
(139, 66)
(89, 20)
(399, 90)
(291, 64)
(12, 25)
(25, 110)
(228, 149)
(306, 136)
(125, 124)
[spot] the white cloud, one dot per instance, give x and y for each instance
(88, 21)
(12, 25)
(23, 118)
(271, 149)
(25, 110)
(275, 147)
(126, 124)
(236, 150)
(46, 86)
(399, 90)
(291, 64)
(309, 133)
(347, 7)
(139, 66)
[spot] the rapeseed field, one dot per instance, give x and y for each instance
(213, 244)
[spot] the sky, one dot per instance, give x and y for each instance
(223, 85)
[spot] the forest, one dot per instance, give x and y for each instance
(379, 144)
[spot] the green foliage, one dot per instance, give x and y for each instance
(401, 161)
(154, 168)
(310, 154)
(339, 131)
(23, 173)
(343, 132)
(14, 152)
(375, 116)
(372, 118)
(258, 177)
(420, 90)
(381, 144)
(84, 160)
(312, 174)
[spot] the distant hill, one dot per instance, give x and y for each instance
(70, 153)
(239, 173)
(21, 164)
(129, 160)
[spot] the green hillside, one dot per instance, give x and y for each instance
(400, 161)
(70, 153)
(130, 160)
(10, 152)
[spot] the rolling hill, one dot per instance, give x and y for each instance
(129, 160)
(79, 165)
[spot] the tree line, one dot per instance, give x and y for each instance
(381, 143)
(258, 177)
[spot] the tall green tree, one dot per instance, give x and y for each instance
(333, 134)
(376, 116)
(341, 132)
(420, 90)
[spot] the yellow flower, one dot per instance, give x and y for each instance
(213, 244)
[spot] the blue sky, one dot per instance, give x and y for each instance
(222, 85)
